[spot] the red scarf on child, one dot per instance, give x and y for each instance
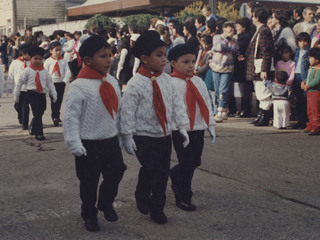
(24, 61)
(108, 94)
(193, 96)
(56, 67)
(37, 79)
(158, 103)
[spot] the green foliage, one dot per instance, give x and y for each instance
(228, 10)
(98, 22)
(139, 19)
(192, 10)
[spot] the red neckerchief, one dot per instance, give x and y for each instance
(158, 103)
(201, 63)
(56, 67)
(193, 96)
(24, 61)
(37, 79)
(108, 94)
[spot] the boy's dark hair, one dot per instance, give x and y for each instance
(303, 36)
(207, 39)
(60, 33)
(253, 5)
(147, 43)
(228, 24)
(36, 51)
(174, 21)
(201, 19)
(315, 53)
(262, 14)
(179, 28)
(85, 32)
(54, 44)
(179, 51)
(24, 48)
(219, 23)
(299, 10)
(92, 45)
(282, 77)
(245, 23)
(112, 32)
(51, 38)
(191, 28)
(211, 24)
(285, 49)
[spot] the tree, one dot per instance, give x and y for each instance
(228, 10)
(192, 10)
(98, 23)
(139, 19)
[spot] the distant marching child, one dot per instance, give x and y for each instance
(15, 69)
(90, 126)
(150, 107)
(58, 67)
(39, 82)
(198, 106)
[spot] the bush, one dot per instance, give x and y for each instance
(192, 10)
(98, 23)
(140, 19)
(228, 10)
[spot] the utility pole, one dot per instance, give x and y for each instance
(213, 6)
(14, 16)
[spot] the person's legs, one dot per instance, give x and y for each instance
(55, 107)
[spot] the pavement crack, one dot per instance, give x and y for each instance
(302, 203)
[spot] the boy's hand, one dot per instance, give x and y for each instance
(54, 99)
(16, 99)
(129, 145)
(212, 133)
(78, 150)
(303, 86)
(185, 136)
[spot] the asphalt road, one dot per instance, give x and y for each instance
(254, 183)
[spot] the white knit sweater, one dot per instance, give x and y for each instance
(85, 116)
(15, 69)
(64, 70)
(137, 114)
(199, 123)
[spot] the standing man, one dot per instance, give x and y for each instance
(29, 38)
(307, 24)
(207, 12)
(260, 47)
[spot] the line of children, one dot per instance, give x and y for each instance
(58, 68)
(15, 70)
(38, 82)
(90, 127)
(198, 106)
(150, 106)
(312, 86)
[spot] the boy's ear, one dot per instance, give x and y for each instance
(144, 59)
(87, 61)
(173, 63)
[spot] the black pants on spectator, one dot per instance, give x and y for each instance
(154, 155)
(55, 107)
(38, 105)
(103, 157)
(23, 109)
(189, 159)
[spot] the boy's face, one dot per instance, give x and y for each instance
(185, 64)
(36, 60)
(313, 61)
(25, 56)
(156, 61)
(101, 60)
(56, 52)
(303, 44)
(286, 56)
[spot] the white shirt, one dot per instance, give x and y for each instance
(137, 113)
(64, 70)
(28, 76)
(15, 69)
(67, 49)
(298, 67)
(85, 116)
(181, 85)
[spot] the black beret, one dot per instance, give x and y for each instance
(24, 48)
(180, 50)
(92, 45)
(34, 51)
(147, 43)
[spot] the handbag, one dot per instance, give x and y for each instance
(258, 62)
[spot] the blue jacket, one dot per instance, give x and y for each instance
(304, 63)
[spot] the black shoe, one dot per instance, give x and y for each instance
(110, 214)
(142, 207)
(258, 117)
(59, 120)
(160, 218)
(55, 122)
(264, 119)
(25, 127)
(245, 114)
(187, 206)
(92, 225)
(299, 126)
(40, 137)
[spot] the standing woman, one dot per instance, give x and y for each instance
(190, 32)
(283, 34)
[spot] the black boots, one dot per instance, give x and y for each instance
(258, 117)
(264, 119)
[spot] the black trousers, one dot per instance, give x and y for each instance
(103, 157)
(23, 109)
(38, 105)
(154, 155)
(189, 159)
(55, 107)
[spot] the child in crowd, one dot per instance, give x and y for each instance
(15, 69)
(196, 98)
(150, 106)
(204, 57)
(301, 73)
(90, 127)
(58, 67)
(280, 96)
(225, 47)
(286, 64)
(38, 81)
(312, 87)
